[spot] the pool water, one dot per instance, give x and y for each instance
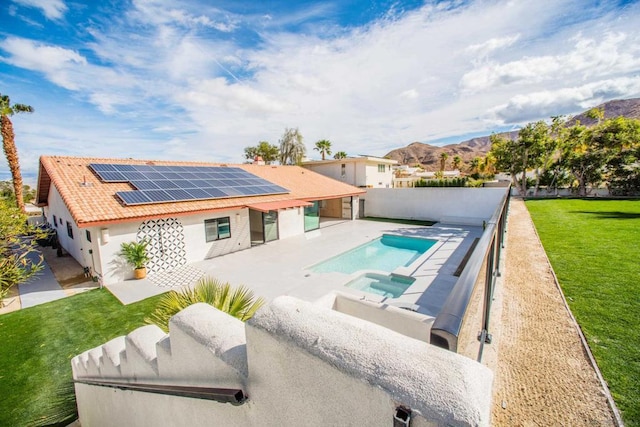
(387, 286)
(385, 253)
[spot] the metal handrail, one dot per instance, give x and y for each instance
(223, 395)
(448, 323)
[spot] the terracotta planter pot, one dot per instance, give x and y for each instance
(140, 273)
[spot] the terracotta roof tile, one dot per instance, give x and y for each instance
(92, 202)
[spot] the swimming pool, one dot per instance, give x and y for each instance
(379, 284)
(385, 253)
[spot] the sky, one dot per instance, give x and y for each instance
(201, 80)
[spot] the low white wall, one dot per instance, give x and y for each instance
(405, 322)
(468, 206)
(298, 363)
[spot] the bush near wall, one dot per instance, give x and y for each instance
(453, 182)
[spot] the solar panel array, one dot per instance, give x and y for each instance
(161, 184)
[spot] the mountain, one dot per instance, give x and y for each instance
(428, 155)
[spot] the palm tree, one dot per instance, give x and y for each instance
(443, 160)
(239, 302)
(340, 155)
(292, 149)
(324, 147)
(9, 144)
(475, 164)
(457, 161)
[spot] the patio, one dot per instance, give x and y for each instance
(281, 267)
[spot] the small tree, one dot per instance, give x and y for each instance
(340, 155)
(457, 161)
(16, 261)
(324, 147)
(268, 152)
(443, 160)
(292, 149)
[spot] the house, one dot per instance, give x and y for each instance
(187, 211)
(363, 171)
(406, 177)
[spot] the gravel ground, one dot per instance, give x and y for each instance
(543, 376)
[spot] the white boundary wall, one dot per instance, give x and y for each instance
(298, 363)
(466, 206)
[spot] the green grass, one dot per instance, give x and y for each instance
(594, 247)
(37, 344)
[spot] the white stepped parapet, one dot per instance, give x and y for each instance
(79, 365)
(112, 352)
(326, 359)
(94, 361)
(206, 346)
(298, 363)
(140, 358)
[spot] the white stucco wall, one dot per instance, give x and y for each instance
(359, 172)
(469, 206)
(298, 363)
(197, 248)
(78, 246)
(290, 222)
(377, 179)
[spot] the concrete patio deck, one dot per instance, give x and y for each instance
(282, 267)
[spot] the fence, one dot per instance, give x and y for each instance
(472, 294)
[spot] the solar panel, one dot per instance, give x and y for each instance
(133, 197)
(161, 184)
(112, 176)
(145, 185)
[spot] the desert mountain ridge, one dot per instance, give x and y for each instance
(428, 155)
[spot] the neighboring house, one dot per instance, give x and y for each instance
(406, 177)
(94, 211)
(363, 171)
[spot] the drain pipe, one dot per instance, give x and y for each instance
(402, 417)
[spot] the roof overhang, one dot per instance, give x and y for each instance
(282, 204)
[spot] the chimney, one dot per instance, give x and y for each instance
(257, 160)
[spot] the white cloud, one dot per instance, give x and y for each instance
(52, 9)
(408, 77)
(531, 106)
(483, 49)
(54, 61)
(589, 58)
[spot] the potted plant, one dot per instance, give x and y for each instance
(135, 253)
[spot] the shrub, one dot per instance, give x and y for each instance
(238, 302)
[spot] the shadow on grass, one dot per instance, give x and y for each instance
(611, 214)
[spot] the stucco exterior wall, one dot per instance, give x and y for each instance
(298, 363)
(197, 248)
(468, 206)
(77, 246)
(290, 222)
(377, 179)
(361, 172)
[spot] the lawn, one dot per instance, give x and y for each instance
(37, 344)
(594, 247)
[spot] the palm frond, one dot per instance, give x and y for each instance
(238, 302)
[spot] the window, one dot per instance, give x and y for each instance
(343, 170)
(55, 221)
(382, 168)
(217, 229)
(69, 230)
(88, 233)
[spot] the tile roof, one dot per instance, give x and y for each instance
(92, 202)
